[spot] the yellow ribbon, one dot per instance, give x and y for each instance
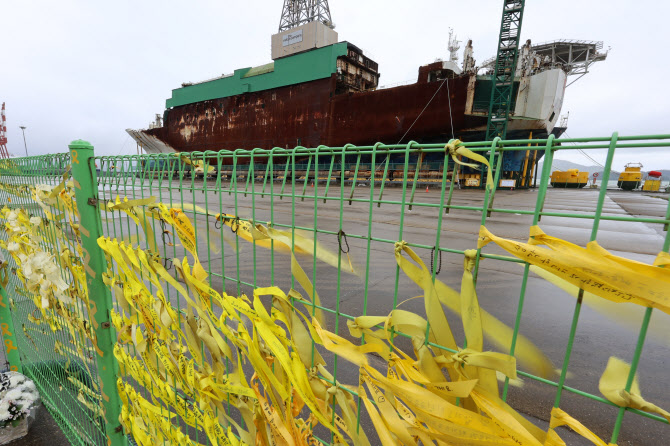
(561, 418)
(192, 361)
(454, 148)
(613, 387)
(592, 268)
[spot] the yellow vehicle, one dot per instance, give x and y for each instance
(569, 178)
(631, 178)
(653, 181)
(651, 185)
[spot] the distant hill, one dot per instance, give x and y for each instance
(565, 165)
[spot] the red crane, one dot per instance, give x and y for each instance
(3, 134)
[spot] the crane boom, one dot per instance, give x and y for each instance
(502, 87)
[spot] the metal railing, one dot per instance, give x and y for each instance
(74, 366)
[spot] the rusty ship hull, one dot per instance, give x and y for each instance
(310, 114)
(330, 96)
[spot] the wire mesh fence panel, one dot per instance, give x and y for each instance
(298, 296)
(46, 298)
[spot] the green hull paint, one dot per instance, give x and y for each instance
(304, 67)
(483, 94)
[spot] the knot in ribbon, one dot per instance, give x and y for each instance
(354, 328)
(313, 373)
(460, 357)
(499, 362)
(455, 147)
(452, 146)
(399, 246)
(469, 260)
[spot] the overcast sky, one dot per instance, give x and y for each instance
(87, 69)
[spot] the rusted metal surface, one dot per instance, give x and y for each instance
(283, 117)
(311, 114)
(356, 72)
(418, 112)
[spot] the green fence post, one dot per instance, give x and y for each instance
(100, 298)
(7, 325)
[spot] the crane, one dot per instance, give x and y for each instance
(502, 87)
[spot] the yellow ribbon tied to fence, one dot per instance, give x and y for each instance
(192, 361)
(416, 401)
(280, 241)
(613, 387)
(560, 418)
(455, 148)
(593, 268)
(134, 210)
(495, 331)
(280, 357)
(199, 166)
(53, 277)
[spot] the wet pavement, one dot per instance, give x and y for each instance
(547, 312)
(43, 432)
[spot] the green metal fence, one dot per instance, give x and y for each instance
(304, 191)
(61, 362)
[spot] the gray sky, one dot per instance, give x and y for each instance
(87, 69)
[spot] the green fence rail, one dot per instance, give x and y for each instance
(69, 349)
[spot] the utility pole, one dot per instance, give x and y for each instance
(23, 129)
(3, 134)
